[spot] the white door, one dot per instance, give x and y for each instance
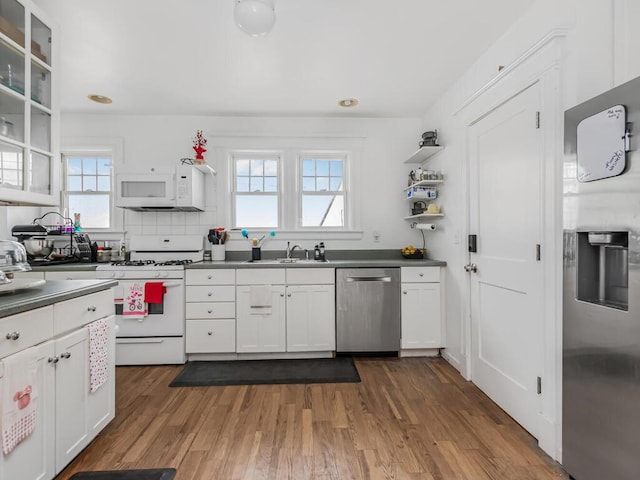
(311, 318)
(506, 289)
(260, 330)
(420, 317)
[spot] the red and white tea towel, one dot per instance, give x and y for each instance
(19, 397)
(134, 305)
(98, 365)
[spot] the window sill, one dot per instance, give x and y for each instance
(315, 234)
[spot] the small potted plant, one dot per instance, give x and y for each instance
(199, 142)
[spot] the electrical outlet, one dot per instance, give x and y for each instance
(376, 237)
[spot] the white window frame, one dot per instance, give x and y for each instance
(256, 155)
(345, 192)
(94, 147)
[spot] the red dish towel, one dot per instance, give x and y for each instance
(154, 292)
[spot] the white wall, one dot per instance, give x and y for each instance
(160, 141)
(596, 56)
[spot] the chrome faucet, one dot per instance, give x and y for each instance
(291, 249)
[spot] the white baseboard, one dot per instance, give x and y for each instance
(199, 357)
(420, 352)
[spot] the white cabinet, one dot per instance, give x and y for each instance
(80, 414)
(210, 311)
(33, 458)
(29, 113)
(69, 416)
(70, 275)
(260, 329)
(420, 303)
(311, 310)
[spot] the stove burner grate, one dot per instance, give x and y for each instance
(132, 263)
(173, 262)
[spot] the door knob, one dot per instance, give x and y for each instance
(471, 267)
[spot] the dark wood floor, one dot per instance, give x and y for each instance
(412, 418)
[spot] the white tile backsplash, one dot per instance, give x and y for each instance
(169, 223)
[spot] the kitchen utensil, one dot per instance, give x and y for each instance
(38, 247)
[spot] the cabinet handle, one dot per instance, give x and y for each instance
(209, 277)
(209, 333)
(210, 294)
(65, 355)
(12, 336)
(288, 294)
(282, 294)
(421, 274)
(209, 311)
(404, 292)
(92, 308)
(53, 359)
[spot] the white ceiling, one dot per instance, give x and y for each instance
(188, 57)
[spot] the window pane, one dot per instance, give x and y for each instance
(242, 167)
(335, 168)
(322, 167)
(93, 210)
(322, 211)
(270, 184)
(308, 168)
(104, 166)
(74, 183)
(257, 167)
(74, 166)
(271, 168)
(256, 211)
(322, 183)
(309, 184)
(89, 166)
(257, 184)
(242, 184)
(336, 184)
(89, 184)
(104, 183)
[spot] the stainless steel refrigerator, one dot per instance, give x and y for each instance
(601, 308)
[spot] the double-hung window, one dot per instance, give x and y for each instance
(88, 186)
(257, 190)
(322, 198)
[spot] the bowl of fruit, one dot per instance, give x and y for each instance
(412, 252)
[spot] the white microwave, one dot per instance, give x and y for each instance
(182, 191)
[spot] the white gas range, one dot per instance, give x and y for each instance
(150, 298)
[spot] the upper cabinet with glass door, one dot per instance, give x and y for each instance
(28, 110)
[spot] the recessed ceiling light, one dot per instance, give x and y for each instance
(99, 98)
(348, 102)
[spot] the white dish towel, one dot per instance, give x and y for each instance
(260, 299)
(19, 397)
(134, 305)
(98, 355)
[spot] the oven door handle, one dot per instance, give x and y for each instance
(172, 284)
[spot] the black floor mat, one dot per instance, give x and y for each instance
(266, 372)
(148, 474)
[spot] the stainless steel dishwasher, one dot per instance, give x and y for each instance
(368, 310)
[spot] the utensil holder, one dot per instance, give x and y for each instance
(256, 254)
(217, 253)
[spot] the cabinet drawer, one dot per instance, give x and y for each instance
(202, 293)
(211, 336)
(311, 276)
(420, 274)
(211, 310)
(260, 276)
(211, 277)
(79, 311)
(30, 328)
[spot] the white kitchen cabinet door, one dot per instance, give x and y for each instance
(420, 318)
(311, 318)
(260, 329)
(33, 458)
(72, 392)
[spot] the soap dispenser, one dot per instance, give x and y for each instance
(316, 252)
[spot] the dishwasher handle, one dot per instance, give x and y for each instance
(383, 278)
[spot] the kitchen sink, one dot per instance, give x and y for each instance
(286, 260)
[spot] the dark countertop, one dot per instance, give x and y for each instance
(53, 291)
(381, 263)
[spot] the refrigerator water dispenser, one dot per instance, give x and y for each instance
(603, 268)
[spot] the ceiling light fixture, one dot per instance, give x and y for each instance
(99, 98)
(255, 17)
(348, 102)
